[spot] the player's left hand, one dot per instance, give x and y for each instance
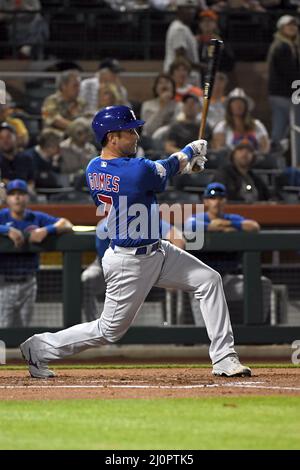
(38, 235)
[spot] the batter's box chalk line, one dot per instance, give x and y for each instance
(250, 385)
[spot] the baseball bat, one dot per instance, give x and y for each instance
(214, 53)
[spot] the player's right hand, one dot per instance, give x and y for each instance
(16, 237)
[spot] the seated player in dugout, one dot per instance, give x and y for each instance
(92, 278)
(138, 260)
(216, 219)
(18, 285)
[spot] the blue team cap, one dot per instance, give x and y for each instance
(215, 190)
(21, 185)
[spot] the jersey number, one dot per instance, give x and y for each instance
(108, 203)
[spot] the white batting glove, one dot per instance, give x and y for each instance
(196, 165)
(195, 149)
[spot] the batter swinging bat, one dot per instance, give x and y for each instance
(214, 52)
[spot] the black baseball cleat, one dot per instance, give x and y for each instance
(37, 370)
(230, 366)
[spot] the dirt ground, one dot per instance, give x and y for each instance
(146, 383)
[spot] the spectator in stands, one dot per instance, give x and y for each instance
(7, 115)
(180, 71)
(186, 128)
(108, 74)
(170, 5)
(216, 112)
(161, 110)
(284, 68)
(76, 151)
(46, 159)
(18, 284)
(27, 29)
(14, 164)
(61, 108)
(241, 182)
(239, 125)
(208, 29)
(180, 40)
(109, 95)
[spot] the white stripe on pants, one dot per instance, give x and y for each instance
(129, 279)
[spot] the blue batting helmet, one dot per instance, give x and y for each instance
(213, 190)
(114, 118)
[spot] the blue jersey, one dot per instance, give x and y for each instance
(22, 263)
(194, 222)
(103, 243)
(125, 189)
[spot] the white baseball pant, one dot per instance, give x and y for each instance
(129, 279)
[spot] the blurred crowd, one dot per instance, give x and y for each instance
(54, 163)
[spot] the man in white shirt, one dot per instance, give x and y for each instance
(180, 41)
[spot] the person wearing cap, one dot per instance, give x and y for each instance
(241, 182)
(216, 219)
(283, 68)
(208, 29)
(186, 127)
(137, 258)
(18, 284)
(65, 105)
(180, 40)
(108, 73)
(239, 124)
(14, 164)
(7, 115)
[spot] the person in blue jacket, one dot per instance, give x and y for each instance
(215, 217)
(18, 285)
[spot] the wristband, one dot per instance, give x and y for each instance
(188, 151)
(51, 229)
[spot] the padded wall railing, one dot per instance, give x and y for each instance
(251, 245)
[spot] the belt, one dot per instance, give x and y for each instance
(141, 250)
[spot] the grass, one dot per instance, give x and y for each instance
(206, 423)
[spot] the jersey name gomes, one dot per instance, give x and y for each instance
(104, 181)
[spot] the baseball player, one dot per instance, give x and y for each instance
(18, 284)
(92, 279)
(124, 188)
